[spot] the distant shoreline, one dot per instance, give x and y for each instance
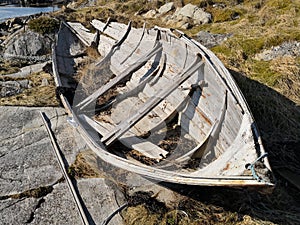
(13, 11)
(41, 4)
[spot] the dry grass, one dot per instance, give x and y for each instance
(37, 95)
(6, 68)
(85, 166)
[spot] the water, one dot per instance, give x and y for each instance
(13, 11)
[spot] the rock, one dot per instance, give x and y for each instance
(57, 207)
(16, 21)
(27, 70)
(45, 82)
(186, 26)
(101, 197)
(133, 182)
(201, 17)
(210, 40)
(10, 88)
(291, 48)
(30, 189)
(27, 160)
(137, 183)
(4, 26)
(98, 197)
(188, 10)
(166, 8)
(187, 16)
(182, 24)
(17, 211)
(28, 46)
(150, 14)
(24, 83)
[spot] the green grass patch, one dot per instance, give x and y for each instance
(44, 25)
(250, 46)
(222, 49)
(261, 72)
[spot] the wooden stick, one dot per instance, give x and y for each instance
(63, 169)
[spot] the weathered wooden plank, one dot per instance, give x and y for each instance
(205, 143)
(81, 32)
(119, 78)
(128, 139)
(141, 83)
(107, 58)
(151, 103)
(200, 148)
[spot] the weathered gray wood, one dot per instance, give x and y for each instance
(128, 139)
(152, 102)
(138, 44)
(107, 58)
(230, 140)
(206, 144)
(117, 79)
(112, 29)
(56, 150)
(141, 85)
(81, 32)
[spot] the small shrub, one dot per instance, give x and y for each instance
(44, 25)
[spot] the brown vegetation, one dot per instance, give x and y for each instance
(37, 95)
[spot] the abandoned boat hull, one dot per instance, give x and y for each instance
(188, 80)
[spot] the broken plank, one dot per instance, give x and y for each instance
(128, 139)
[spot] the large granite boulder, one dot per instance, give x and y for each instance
(28, 46)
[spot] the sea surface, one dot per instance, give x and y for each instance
(7, 12)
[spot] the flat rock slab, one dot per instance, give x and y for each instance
(26, 156)
(99, 198)
(58, 207)
(30, 179)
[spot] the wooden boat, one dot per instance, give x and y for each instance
(159, 104)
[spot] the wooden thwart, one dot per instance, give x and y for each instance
(128, 139)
